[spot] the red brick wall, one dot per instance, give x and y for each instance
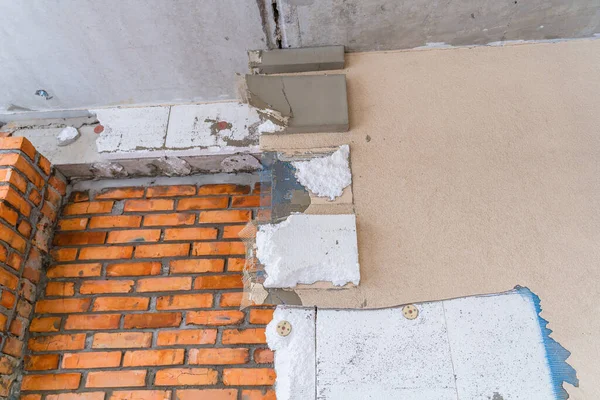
(142, 300)
(30, 196)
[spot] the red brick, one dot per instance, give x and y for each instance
(105, 252)
(24, 228)
(24, 166)
(261, 316)
(162, 250)
(171, 191)
(58, 183)
(92, 322)
(97, 359)
(263, 356)
(3, 320)
(53, 197)
(62, 306)
(3, 253)
(92, 207)
(106, 286)
(172, 219)
(140, 395)
(184, 301)
(141, 235)
(24, 308)
(74, 270)
(218, 356)
(77, 197)
(14, 261)
(41, 362)
(72, 224)
(8, 214)
(259, 394)
(45, 324)
(27, 290)
(244, 336)
(13, 347)
(14, 198)
(223, 217)
(120, 303)
(133, 269)
(219, 282)
(76, 396)
(232, 231)
(129, 378)
(226, 188)
(44, 165)
(190, 234)
(12, 239)
(57, 342)
(195, 266)
(51, 382)
(248, 376)
(121, 193)
(62, 289)
(49, 211)
(7, 299)
(115, 221)
(64, 254)
(218, 248)
(231, 299)
(18, 143)
(212, 394)
(7, 365)
(148, 205)
(186, 337)
(206, 203)
(163, 284)
(214, 317)
(11, 176)
(247, 201)
(8, 279)
(78, 238)
(136, 358)
(152, 320)
(17, 327)
(35, 197)
(235, 264)
(185, 376)
(122, 340)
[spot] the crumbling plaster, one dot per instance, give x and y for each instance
(474, 170)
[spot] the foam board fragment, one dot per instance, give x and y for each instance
(295, 361)
(309, 248)
(326, 176)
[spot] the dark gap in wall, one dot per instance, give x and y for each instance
(277, 27)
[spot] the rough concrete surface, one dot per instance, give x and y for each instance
(313, 103)
(475, 170)
(368, 25)
(88, 53)
(296, 60)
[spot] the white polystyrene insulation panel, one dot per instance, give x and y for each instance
(308, 249)
(482, 347)
(326, 176)
(294, 354)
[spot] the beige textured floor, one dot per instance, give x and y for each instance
(482, 172)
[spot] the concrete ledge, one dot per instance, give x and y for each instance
(309, 103)
(296, 60)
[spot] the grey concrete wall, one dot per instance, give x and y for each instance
(365, 25)
(95, 53)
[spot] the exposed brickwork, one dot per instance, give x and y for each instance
(143, 297)
(30, 197)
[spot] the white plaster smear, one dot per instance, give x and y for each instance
(480, 347)
(326, 176)
(294, 353)
(308, 249)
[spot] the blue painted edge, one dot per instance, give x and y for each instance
(556, 355)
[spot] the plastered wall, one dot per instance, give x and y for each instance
(475, 170)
